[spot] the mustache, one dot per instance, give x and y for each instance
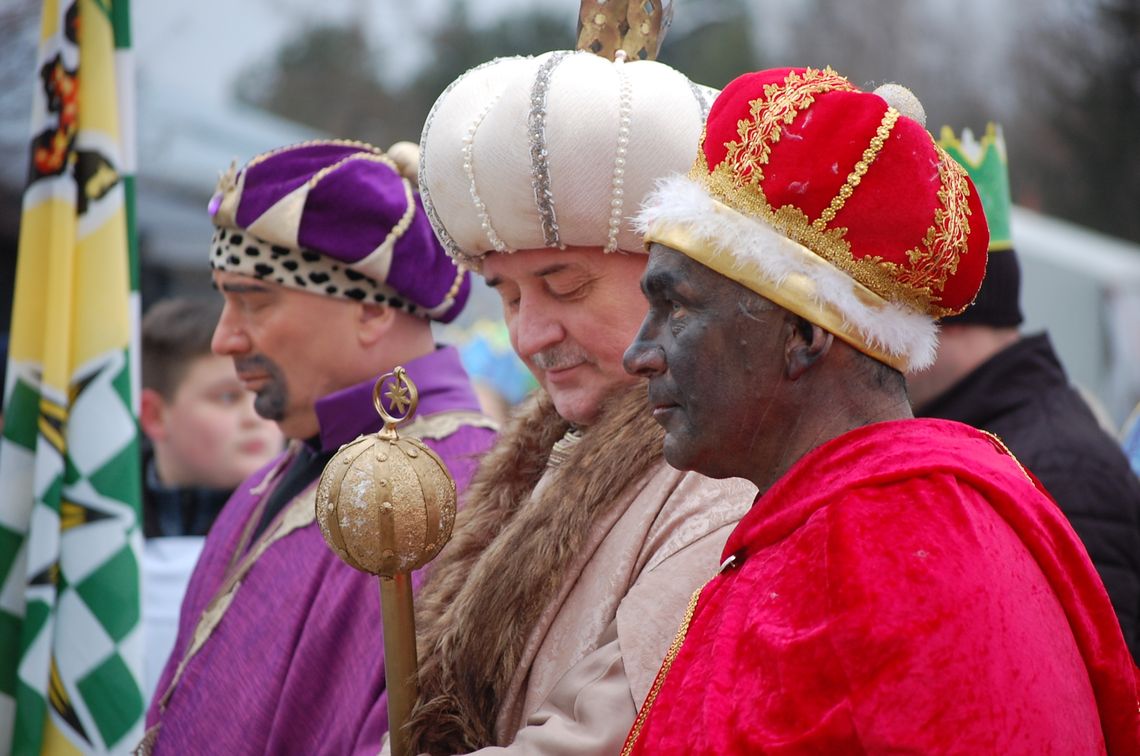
(256, 363)
(660, 396)
(559, 357)
(271, 400)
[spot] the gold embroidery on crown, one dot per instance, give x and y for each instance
(930, 263)
(934, 260)
(779, 107)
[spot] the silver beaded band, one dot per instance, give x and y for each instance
(540, 168)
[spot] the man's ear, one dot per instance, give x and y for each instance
(374, 322)
(152, 415)
(806, 345)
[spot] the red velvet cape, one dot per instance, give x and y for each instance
(906, 586)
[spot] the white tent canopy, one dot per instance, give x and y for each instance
(1084, 288)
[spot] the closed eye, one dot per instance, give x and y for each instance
(509, 296)
(570, 295)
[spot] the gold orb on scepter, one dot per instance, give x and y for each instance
(386, 504)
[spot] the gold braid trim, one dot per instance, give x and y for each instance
(876, 274)
(443, 424)
(666, 665)
(453, 292)
(1005, 449)
(779, 107)
(859, 171)
(300, 513)
(937, 257)
(314, 143)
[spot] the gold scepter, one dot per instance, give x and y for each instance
(386, 506)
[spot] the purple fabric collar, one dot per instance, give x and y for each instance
(442, 382)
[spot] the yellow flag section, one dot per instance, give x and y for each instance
(70, 540)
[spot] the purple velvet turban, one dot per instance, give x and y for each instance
(337, 218)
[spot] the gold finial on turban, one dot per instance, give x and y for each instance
(406, 156)
(634, 26)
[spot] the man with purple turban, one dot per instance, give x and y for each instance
(331, 275)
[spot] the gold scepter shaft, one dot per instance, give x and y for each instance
(399, 656)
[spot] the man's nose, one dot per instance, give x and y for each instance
(644, 358)
(535, 329)
(229, 337)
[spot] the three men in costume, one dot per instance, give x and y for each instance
(330, 274)
(991, 377)
(543, 621)
(898, 584)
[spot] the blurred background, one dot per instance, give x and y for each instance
(220, 80)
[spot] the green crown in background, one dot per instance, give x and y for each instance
(988, 166)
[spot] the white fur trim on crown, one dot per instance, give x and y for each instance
(552, 151)
(760, 254)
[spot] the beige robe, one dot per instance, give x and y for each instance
(591, 659)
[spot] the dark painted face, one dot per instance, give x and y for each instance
(712, 351)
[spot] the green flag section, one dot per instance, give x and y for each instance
(70, 636)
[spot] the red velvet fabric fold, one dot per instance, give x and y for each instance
(907, 586)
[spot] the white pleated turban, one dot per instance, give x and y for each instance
(553, 151)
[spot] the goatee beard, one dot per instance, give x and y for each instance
(271, 399)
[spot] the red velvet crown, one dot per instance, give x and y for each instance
(842, 173)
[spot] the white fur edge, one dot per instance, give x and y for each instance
(896, 329)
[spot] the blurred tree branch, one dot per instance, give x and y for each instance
(1076, 152)
(329, 77)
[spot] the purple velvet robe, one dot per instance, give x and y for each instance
(297, 664)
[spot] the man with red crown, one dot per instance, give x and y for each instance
(898, 584)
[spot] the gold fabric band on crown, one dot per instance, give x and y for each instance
(797, 292)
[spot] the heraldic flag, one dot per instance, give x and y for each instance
(70, 635)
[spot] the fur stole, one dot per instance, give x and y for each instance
(508, 556)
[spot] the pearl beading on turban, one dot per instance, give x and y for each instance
(469, 169)
(625, 108)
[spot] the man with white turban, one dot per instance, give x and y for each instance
(545, 619)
